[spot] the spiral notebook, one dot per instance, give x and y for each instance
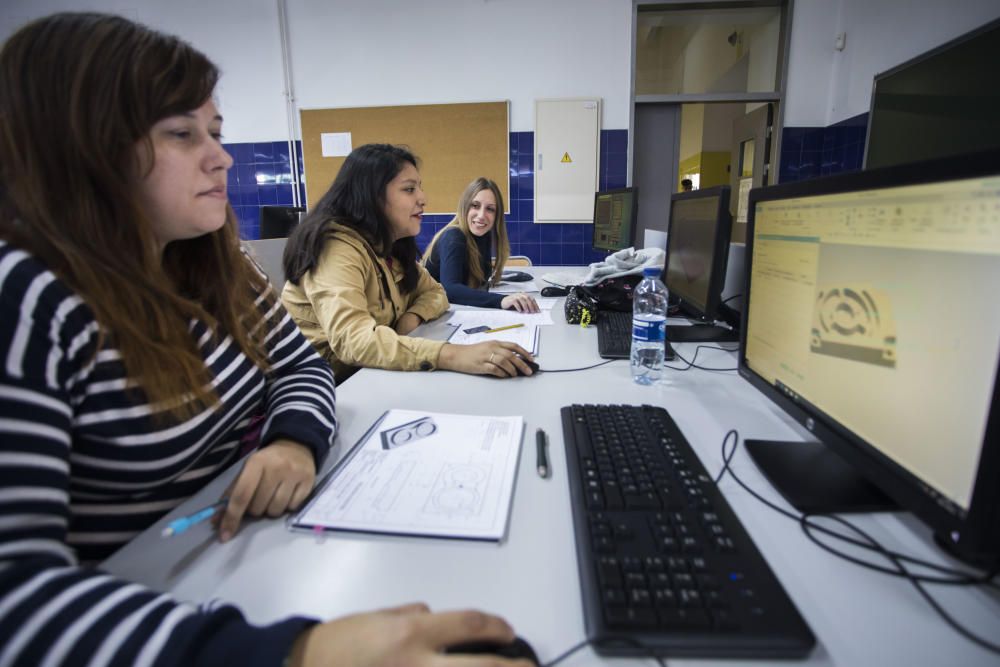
(422, 473)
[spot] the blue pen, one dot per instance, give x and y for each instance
(178, 526)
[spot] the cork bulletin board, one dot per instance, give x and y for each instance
(454, 144)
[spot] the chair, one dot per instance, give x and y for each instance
(518, 260)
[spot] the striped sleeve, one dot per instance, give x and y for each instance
(52, 610)
(301, 397)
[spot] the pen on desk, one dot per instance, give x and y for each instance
(542, 458)
(178, 526)
(509, 326)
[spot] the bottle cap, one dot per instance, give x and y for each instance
(651, 271)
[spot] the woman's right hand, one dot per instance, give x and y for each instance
(498, 358)
(408, 635)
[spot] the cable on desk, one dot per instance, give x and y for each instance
(571, 370)
(806, 523)
(691, 364)
(959, 577)
(596, 642)
(900, 569)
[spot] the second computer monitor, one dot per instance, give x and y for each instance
(697, 252)
(614, 219)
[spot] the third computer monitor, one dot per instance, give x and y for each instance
(871, 317)
(697, 252)
(614, 219)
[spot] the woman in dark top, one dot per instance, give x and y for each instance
(459, 256)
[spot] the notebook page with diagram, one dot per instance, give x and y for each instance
(422, 473)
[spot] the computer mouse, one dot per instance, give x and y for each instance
(514, 650)
(516, 276)
(531, 364)
(554, 291)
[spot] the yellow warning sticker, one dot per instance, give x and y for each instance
(566, 158)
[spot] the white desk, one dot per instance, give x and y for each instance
(859, 617)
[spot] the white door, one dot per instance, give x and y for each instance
(567, 142)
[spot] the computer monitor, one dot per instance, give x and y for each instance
(277, 222)
(695, 267)
(614, 219)
(943, 102)
(870, 317)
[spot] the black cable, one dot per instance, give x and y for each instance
(727, 300)
(959, 577)
(901, 571)
(871, 544)
(726, 458)
(691, 364)
(571, 370)
(565, 654)
(609, 640)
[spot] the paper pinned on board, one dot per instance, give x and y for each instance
(335, 144)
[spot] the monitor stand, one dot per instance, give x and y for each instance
(701, 333)
(815, 479)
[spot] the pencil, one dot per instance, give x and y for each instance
(510, 326)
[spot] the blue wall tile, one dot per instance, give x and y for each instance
(807, 152)
(262, 176)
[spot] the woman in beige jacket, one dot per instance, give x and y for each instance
(355, 287)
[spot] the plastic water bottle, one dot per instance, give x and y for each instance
(649, 327)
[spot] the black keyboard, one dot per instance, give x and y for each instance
(614, 336)
(666, 567)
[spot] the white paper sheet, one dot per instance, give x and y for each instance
(526, 336)
(335, 144)
(495, 319)
(423, 473)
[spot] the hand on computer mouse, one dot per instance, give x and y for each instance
(500, 358)
(406, 635)
(518, 649)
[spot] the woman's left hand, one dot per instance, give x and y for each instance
(520, 302)
(275, 479)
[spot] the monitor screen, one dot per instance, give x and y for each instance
(870, 315)
(941, 103)
(614, 219)
(276, 222)
(697, 250)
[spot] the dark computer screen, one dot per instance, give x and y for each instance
(697, 250)
(276, 222)
(614, 219)
(870, 317)
(941, 103)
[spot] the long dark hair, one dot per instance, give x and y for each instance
(79, 94)
(356, 200)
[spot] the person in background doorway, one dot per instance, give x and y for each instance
(354, 285)
(459, 256)
(687, 185)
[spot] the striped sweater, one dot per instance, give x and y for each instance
(84, 468)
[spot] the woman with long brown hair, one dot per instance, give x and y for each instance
(460, 255)
(140, 346)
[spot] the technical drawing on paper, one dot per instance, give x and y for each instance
(458, 490)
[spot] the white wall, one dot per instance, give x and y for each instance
(240, 36)
(380, 52)
(375, 52)
(383, 52)
(826, 86)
